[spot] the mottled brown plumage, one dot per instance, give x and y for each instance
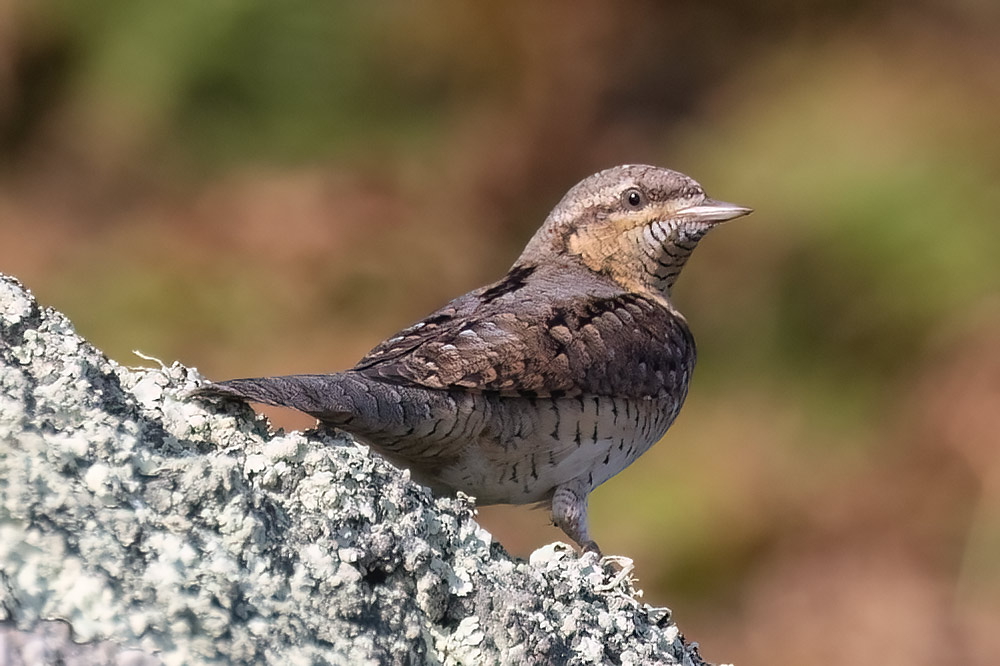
(543, 385)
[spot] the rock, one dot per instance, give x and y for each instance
(138, 526)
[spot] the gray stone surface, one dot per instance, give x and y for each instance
(138, 526)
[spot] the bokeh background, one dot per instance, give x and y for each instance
(268, 188)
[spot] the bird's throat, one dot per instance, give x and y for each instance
(647, 259)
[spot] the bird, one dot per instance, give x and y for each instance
(541, 386)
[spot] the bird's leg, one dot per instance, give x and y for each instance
(569, 513)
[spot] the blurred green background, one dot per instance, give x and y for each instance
(268, 188)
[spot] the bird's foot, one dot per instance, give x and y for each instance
(569, 513)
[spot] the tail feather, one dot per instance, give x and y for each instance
(401, 422)
(385, 415)
(319, 395)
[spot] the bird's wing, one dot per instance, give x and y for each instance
(528, 342)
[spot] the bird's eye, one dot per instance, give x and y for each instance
(633, 198)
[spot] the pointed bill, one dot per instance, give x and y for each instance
(711, 210)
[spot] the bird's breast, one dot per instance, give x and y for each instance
(529, 447)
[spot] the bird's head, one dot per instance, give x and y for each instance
(636, 224)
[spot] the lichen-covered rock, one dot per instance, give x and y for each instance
(138, 526)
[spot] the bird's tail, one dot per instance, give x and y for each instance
(322, 396)
(394, 419)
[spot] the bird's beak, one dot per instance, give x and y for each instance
(711, 210)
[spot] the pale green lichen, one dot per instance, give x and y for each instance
(170, 531)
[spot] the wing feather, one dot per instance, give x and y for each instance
(530, 341)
